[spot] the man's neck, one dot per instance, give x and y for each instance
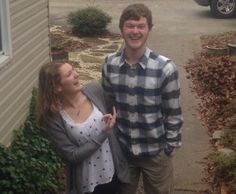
(133, 56)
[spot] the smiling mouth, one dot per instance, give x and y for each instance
(135, 38)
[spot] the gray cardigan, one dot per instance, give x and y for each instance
(73, 154)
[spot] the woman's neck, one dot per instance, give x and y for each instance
(78, 107)
(72, 101)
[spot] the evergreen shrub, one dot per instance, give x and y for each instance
(90, 21)
(224, 169)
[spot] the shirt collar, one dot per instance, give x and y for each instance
(142, 61)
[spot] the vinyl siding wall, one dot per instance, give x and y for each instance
(30, 49)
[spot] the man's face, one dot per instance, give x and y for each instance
(135, 33)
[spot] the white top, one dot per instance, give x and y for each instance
(99, 167)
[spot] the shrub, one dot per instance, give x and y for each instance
(29, 165)
(224, 169)
(229, 138)
(89, 21)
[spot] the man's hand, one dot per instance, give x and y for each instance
(168, 149)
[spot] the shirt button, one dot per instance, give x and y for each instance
(133, 141)
(132, 74)
(132, 100)
(131, 85)
(131, 115)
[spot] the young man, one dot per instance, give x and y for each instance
(145, 88)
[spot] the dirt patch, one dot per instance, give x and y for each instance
(60, 39)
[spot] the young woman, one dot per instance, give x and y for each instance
(80, 129)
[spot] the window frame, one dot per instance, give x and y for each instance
(5, 33)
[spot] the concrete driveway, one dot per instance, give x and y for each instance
(178, 25)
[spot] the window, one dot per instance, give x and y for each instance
(5, 35)
(0, 36)
(0, 32)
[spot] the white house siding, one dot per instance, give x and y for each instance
(30, 49)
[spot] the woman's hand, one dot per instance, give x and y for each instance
(110, 120)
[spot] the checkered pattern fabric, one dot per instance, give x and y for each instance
(147, 99)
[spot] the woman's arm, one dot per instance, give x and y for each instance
(69, 150)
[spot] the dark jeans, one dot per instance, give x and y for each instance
(108, 188)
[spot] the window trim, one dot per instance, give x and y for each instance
(6, 53)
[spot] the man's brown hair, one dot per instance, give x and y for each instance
(134, 12)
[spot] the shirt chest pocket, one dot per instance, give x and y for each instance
(115, 79)
(151, 92)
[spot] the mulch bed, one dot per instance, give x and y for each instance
(219, 40)
(213, 79)
(62, 41)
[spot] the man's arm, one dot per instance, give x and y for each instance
(171, 107)
(107, 87)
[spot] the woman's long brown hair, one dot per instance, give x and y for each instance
(48, 102)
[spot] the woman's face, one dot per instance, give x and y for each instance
(69, 79)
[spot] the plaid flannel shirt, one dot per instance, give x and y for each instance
(147, 99)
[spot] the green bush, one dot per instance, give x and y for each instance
(229, 138)
(224, 168)
(29, 165)
(89, 21)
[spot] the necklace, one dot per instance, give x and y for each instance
(79, 103)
